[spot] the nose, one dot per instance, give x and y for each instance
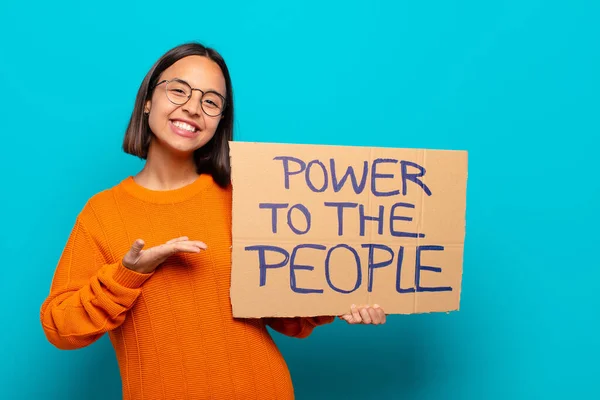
(193, 105)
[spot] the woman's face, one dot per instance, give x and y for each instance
(185, 128)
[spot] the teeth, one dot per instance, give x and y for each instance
(185, 126)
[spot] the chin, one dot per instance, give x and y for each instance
(174, 146)
(184, 150)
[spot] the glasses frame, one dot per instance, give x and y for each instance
(167, 81)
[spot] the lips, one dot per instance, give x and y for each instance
(186, 129)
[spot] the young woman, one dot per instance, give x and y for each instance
(149, 262)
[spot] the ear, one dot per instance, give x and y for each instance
(147, 107)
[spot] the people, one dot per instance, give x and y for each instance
(148, 260)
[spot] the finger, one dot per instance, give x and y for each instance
(351, 319)
(381, 313)
(364, 313)
(201, 245)
(179, 239)
(355, 314)
(164, 251)
(348, 318)
(179, 246)
(185, 247)
(375, 320)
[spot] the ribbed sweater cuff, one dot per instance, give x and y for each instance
(128, 278)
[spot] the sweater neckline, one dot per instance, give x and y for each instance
(166, 196)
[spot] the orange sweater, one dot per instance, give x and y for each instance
(172, 330)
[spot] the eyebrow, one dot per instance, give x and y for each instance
(204, 90)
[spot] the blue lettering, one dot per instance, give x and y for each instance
(413, 177)
(375, 175)
(262, 259)
(306, 214)
(373, 265)
(363, 218)
(274, 207)
(358, 188)
(294, 267)
(358, 269)
(340, 213)
(399, 271)
(393, 218)
(325, 176)
(286, 168)
(419, 267)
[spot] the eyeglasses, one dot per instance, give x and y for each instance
(180, 92)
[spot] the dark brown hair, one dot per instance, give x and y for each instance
(213, 157)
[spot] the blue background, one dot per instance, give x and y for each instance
(516, 83)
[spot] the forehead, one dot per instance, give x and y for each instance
(200, 72)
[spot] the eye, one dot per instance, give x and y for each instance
(178, 89)
(211, 103)
(213, 100)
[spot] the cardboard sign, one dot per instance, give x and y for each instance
(318, 228)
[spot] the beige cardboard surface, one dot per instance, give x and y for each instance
(307, 242)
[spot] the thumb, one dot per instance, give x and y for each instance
(137, 246)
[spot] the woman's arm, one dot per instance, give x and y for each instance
(88, 297)
(298, 327)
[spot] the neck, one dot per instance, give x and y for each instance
(166, 171)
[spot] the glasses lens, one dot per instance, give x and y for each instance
(212, 104)
(178, 92)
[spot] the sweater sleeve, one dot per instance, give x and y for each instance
(298, 327)
(88, 297)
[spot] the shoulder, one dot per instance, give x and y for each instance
(99, 205)
(215, 192)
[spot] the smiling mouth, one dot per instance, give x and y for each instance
(184, 126)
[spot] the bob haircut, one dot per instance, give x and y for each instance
(213, 157)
